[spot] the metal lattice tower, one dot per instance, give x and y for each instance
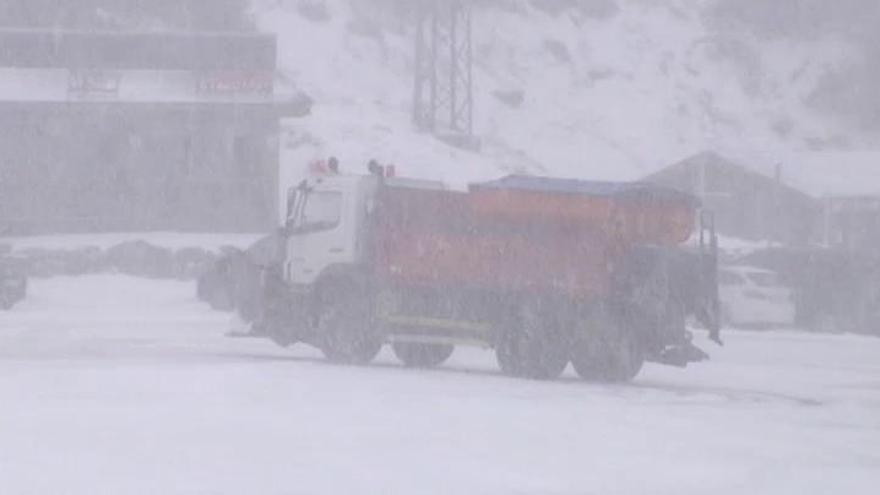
(443, 94)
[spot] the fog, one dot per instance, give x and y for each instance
(434, 246)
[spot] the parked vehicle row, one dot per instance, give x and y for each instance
(754, 298)
(13, 283)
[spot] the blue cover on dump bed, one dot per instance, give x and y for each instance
(581, 187)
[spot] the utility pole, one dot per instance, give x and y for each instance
(443, 102)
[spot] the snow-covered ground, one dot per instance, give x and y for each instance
(113, 385)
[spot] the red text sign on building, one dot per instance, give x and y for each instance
(235, 82)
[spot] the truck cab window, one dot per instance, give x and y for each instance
(320, 211)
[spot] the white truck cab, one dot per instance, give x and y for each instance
(325, 221)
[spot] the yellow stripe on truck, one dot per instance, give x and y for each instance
(442, 323)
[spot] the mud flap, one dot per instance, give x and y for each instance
(681, 355)
(715, 335)
(239, 329)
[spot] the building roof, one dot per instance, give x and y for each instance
(153, 50)
(580, 187)
(715, 167)
(834, 174)
(161, 67)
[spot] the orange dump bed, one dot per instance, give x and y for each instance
(523, 233)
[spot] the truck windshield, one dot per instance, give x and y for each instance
(320, 210)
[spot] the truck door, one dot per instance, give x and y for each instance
(319, 235)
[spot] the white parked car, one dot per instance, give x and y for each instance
(752, 297)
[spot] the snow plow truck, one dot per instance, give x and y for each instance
(545, 272)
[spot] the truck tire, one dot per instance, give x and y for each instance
(343, 325)
(532, 346)
(422, 355)
(608, 354)
(277, 331)
(505, 354)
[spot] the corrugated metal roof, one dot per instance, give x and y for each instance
(834, 174)
(581, 187)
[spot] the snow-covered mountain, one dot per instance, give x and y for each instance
(612, 89)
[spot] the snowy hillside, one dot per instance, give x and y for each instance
(611, 89)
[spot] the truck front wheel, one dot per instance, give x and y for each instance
(422, 355)
(344, 329)
(343, 341)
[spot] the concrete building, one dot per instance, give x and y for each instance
(159, 130)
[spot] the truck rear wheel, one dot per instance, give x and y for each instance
(278, 332)
(422, 355)
(533, 345)
(607, 352)
(616, 363)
